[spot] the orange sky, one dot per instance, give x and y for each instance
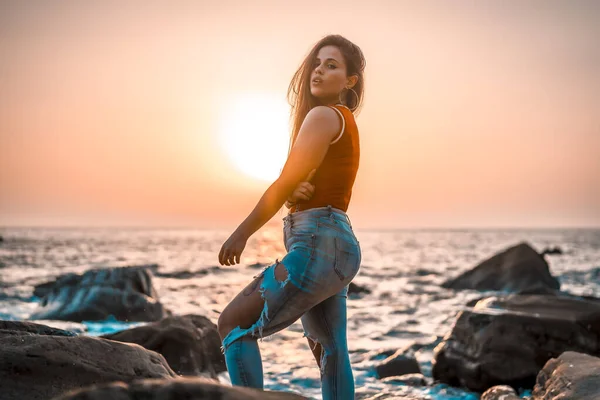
(475, 115)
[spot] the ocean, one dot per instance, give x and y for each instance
(403, 269)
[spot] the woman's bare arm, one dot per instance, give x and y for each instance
(319, 128)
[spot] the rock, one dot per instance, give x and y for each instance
(20, 328)
(36, 366)
(190, 343)
(258, 265)
(353, 288)
(551, 251)
(397, 364)
(424, 272)
(185, 274)
(502, 392)
(126, 293)
(571, 376)
(542, 290)
(516, 269)
(415, 380)
(507, 340)
(74, 327)
(181, 388)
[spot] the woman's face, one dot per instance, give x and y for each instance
(328, 77)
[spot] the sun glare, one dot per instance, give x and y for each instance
(254, 134)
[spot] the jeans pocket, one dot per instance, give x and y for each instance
(347, 259)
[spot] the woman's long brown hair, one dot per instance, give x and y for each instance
(299, 95)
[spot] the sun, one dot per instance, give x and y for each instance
(254, 134)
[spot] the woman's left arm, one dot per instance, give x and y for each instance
(318, 129)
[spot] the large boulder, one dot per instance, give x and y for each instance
(507, 340)
(182, 388)
(190, 343)
(40, 366)
(571, 376)
(516, 269)
(125, 293)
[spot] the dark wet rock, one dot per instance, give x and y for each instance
(571, 376)
(17, 328)
(409, 351)
(257, 265)
(125, 293)
(513, 270)
(507, 340)
(551, 251)
(415, 380)
(41, 366)
(77, 328)
(542, 290)
(188, 274)
(381, 354)
(407, 311)
(182, 388)
(190, 343)
(501, 392)
(424, 272)
(353, 288)
(399, 363)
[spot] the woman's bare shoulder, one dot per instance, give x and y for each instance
(323, 119)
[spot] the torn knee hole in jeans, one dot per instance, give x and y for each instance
(278, 277)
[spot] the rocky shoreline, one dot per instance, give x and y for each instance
(523, 334)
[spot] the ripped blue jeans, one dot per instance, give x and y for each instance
(323, 256)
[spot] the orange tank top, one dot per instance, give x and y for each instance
(335, 177)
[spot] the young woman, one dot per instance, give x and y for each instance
(323, 254)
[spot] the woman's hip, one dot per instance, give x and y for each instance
(322, 251)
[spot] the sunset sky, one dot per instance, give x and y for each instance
(476, 114)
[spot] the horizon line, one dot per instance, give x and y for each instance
(399, 228)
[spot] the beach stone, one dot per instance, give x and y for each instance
(552, 251)
(571, 376)
(397, 364)
(190, 343)
(182, 388)
(415, 380)
(507, 340)
(353, 288)
(34, 366)
(125, 293)
(501, 392)
(515, 269)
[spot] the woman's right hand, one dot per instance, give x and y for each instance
(304, 190)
